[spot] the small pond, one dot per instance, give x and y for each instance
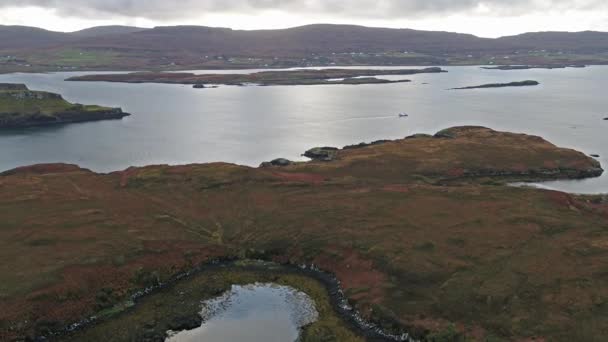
(254, 313)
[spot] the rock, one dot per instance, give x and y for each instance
(185, 323)
(445, 134)
(277, 162)
(322, 153)
(13, 86)
(418, 136)
(199, 86)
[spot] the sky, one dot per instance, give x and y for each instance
(484, 18)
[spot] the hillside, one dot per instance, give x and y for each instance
(24, 37)
(106, 30)
(119, 47)
(422, 233)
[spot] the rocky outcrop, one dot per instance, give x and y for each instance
(16, 120)
(12, 86)
(34, 95)
(277, 162)
(419, 136)
(325, 154)
(445, 134)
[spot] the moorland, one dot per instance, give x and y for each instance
(424, 234)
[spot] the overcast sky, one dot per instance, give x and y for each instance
(486, 18)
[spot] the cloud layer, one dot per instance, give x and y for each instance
(166, 10)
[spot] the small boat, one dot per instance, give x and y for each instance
(403, 115)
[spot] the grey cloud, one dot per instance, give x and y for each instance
(374, 9)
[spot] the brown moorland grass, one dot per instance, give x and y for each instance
(412, 229)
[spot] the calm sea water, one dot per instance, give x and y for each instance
(174, 124)
(254, 313)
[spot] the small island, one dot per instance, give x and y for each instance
(526, 67)
(264, 78)
(21, 107)
(501, 85)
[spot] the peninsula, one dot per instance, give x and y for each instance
(379, 217)
(21, 107)
(265, 78)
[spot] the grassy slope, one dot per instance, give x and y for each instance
(500, 262)
(46, 107)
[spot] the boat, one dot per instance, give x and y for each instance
(403, 115)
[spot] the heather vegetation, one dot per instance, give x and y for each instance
(423, 234)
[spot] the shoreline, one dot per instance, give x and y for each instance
(263, 67)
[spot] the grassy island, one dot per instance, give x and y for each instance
(21, 107)
(527, 67)
(264, 78)
(502, 85)
(423, 234)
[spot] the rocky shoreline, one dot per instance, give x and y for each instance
(60, 118)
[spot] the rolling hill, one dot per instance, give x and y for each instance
(132, 47)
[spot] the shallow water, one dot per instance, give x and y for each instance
(254, 313)
(175, 124)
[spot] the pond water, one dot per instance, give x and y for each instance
(253, 313)
(176, 124)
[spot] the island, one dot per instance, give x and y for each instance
(526, 67)
(21, 107)
(502, 85)
(264, 78)
(421, 236)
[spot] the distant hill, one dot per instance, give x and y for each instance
(134, 48)
(321, 38)
(25, 37)
(582, 42)
(288, 42)
(107, 30)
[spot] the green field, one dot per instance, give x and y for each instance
(24, 107)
